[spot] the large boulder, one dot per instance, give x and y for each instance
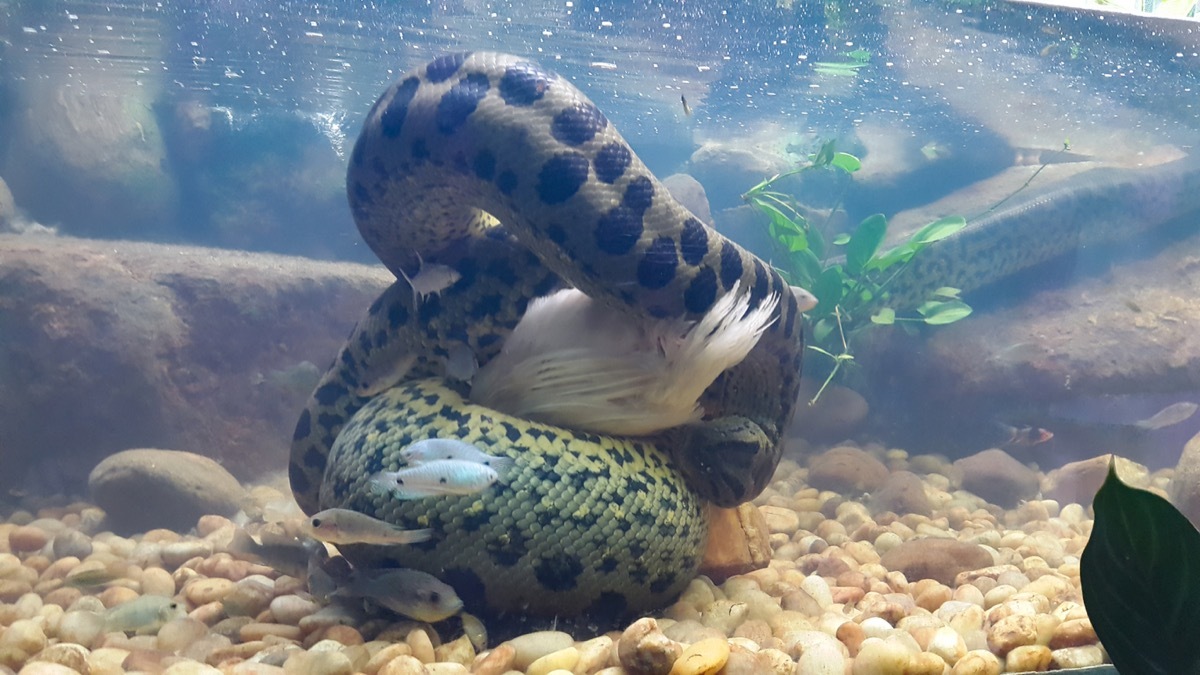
(998, 477)
(111, 345)
(847, 470)
(938, 559)
(144, 489)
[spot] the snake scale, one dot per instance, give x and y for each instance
(504, 171)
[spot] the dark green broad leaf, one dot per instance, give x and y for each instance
(939, 229)
(829, 289)
(1140, 574)
(942, 312)
(864, 242)
(846, 162)
(808, 267)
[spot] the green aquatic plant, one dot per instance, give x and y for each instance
(851, 290)
(1140, 574)
(855, 61)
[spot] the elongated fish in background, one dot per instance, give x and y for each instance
(409, 592)
(436, 478)
(1024, 436)
(1168, 416)
(343, 526)
(143, 616)
(432, 449)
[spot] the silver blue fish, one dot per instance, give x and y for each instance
(435, 478)
(432, 449)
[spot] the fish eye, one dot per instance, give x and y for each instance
(173, 605)
(435, 597)
(316, 522)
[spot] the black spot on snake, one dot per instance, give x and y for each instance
(487, 306)
(458, 103)
(578, 124)
(330, 392)
(392, 120)
(297, 478)
(656, 269)
(693, 242)
(731, 265)
(485, 165)
(303, 426)
(512, 433)
(561, 177)
(639, 194)
(558, 572)
(441, 68)
(556, 232)
(612, 161)
(397, 316)
(524, 83)
(313, 458)
(420, 149)
(618, 230)
(762, 284)
(508, 548)
(701, 292)
(506, 182)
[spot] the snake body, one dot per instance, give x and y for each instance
(507, 173)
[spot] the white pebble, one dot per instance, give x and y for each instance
(818, 588)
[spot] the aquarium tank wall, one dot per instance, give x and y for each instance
(623, 337)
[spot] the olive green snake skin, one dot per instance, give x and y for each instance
(583, 524)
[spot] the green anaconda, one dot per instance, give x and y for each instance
(508, 174)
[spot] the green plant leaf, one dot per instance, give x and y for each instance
(1140, 574)
(846, 162)
(808, 267)
(895, 255)
(938, 313)
(884, 317)
(948, 292)
(864, 242)
(821, 331)
(842, 239)
(939, 229)
(829, 289)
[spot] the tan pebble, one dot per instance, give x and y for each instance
(881, 656)
(73, 656)
(977, 662)
(208, 524)
(117, 595)
(177, 634)
(403, 665)
(157, 581)
(250, 596)
(177, 553)
(81, 627)
(107, 661)
(59, 568)
(346, 635)
(63, 597)
(381, 657)
(1073, 633)
(189, 667)
(27, 538)
(702, 658)
(495, 662)
(533, 646)
(459, 650)
(422, 646)
(208, 614)
(1027, 658)
(259, 631)
(563, 659)
(46, 668)
(319, 663)
(252, 668)
(24, 634)
(1012, 632)
(780, 519)
(852, 635)
(930, 594)
(595, 654)
(458, 669)
(291, 608)
(12, 589)
(643, 648)
(1076, 657)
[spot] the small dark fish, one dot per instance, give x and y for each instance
(1168, 416)
(409, 592)
(687, 110)
(1025, 436)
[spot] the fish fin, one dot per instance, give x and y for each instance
(414, 536)
(501, 465)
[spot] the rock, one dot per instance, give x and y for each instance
(738, 542)
(847, 470)
(533, 646)
(146, 488)
(1077, 482)
(71, 543)
(27, 538)
(1028, 659)
(8, 207)
(902, 493)
(211, 349)
(938, 559)
(644, 650)
(839, 413)
(689, 192)
(994, 475)
(702, 658)
(1185, 486)
(728, 166)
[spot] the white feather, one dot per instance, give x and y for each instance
(576, 363)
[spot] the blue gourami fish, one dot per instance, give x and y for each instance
(343, 526)
(432, 449)
(409, 592)
(435, 478)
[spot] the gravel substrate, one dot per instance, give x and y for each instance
(1002, 595)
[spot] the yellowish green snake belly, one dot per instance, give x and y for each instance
(507, 173)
